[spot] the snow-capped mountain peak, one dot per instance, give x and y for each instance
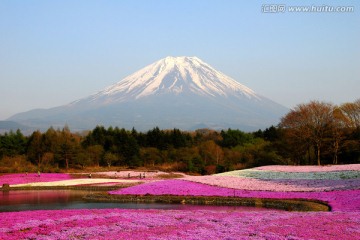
(175, 75)
(174, 92)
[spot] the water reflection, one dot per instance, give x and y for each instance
(45, 199)
(39, 197)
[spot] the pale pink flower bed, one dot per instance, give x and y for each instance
(175, 224)
(135, 174)
(282, 185)
(22, 178)
(329, 168)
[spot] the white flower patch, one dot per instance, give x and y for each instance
(271, 175)
(326, 168)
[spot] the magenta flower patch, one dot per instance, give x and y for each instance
(21, 178)
(175, 187)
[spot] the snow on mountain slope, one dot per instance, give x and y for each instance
(174, 75)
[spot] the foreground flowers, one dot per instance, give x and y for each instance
(175, 224)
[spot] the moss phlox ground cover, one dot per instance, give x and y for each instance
(338, 185)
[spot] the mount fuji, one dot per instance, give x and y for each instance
(174, 92)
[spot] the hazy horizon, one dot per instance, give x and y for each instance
(53, 53)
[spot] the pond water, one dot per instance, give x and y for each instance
(73, 199)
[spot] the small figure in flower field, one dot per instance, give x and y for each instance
(38, 173)
(89, 175)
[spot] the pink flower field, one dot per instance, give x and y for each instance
(175, 224)
(339, 187)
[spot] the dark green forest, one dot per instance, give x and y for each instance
(315, 133)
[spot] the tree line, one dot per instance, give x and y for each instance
(312, 133)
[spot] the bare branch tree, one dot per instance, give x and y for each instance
(309, 124)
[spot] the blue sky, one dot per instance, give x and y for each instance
(55, 52)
